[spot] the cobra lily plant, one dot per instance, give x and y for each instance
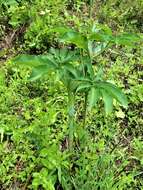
(75, 69)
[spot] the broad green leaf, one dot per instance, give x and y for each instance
(71, 36)
(61, 30)
(93, 96)
(127, 39)
(114, 91)
(100, 33)
(33, 60)
(108, 101)
(39, 71)
(75, 38)
(27, 60)
(100, 37)
(10, 2)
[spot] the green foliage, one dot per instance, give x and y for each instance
(75, 80)
(122, 14)
(40, 120)
(36, 20)
(34, 135)
(59, 62)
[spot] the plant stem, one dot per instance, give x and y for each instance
(85, 95)
(91, 9)
(85, 110)
(71, 118)
(85, 98)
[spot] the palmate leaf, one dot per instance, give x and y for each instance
(95, 94)
(114, 91)
(104, 34)
(101, 90)
(40, 64)
(62, 56)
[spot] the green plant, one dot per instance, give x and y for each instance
(75, 70)
(29, 25)
(43, 15)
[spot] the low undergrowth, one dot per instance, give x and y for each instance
(107, 154)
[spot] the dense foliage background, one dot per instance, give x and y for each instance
(33, 131)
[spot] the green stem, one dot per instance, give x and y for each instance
(85, 110)
(85, 95)
(91, 9)
(71, 118)
(85, 99)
